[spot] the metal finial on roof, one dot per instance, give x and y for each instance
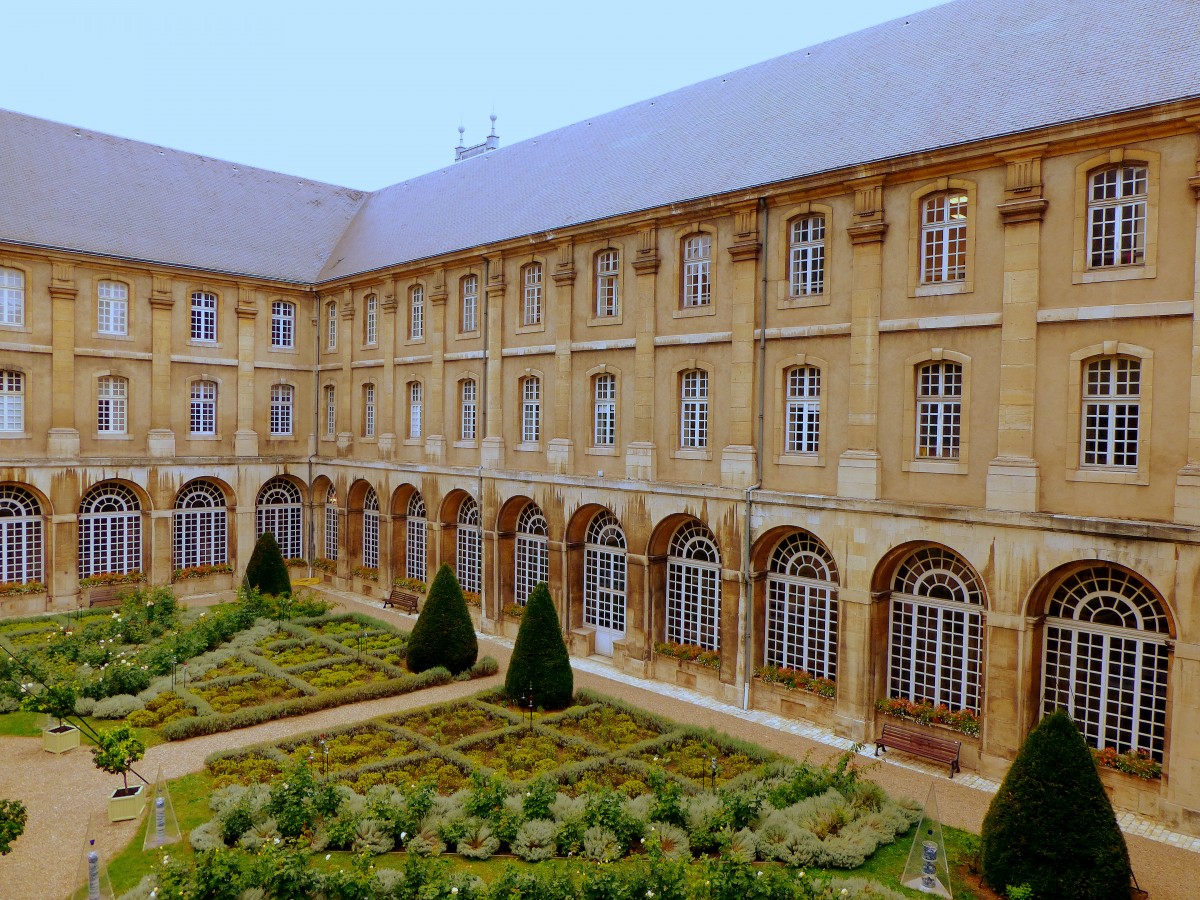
(493, 118)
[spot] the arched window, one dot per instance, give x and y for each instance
(1116, 213)
(282, 397)
(416, 312)
(697, 270)
(936, 646)
(604, 419)
(608, 283)
(1112, 405)
(531, 307)
(331, 525)
(283, 324)
(533, 554)
(200, 526)
(1106, 659)
(469, 541)
(414, 549)
(112, 404)
(280, 510)
(806, 262)
(694, 588)
(21, 542)
(531, 409)
(370, 530)
(110, 530)
(944, 238)
(12, 297)
(12, 401)
(604, 568)
(802, 612)
(204, 407)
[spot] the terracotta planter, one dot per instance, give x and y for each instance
(60, 738)
(687, 674)
(792, 704)
(1128, 792)
(126, 803)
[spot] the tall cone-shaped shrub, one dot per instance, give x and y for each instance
(443, 635)
(540, 661)
(1051, 825)
(266, 570)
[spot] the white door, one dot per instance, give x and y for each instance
(604, 596)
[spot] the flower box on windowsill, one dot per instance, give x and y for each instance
(20, 600)
(687, 674)
(202, 580)
(969, 755)
(1128, 792)
(791, 703)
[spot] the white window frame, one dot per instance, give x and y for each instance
(532, 553)
(802, 410)
(371, 321)
(468, 392)
(200, 526)
(693, 410)
(416, 409)
(697, 271)
(370, 530)
(204, 317)
(604, 410)
(531, 306)
(279, 509)
(112, 308)
(12, 401)
(369, 410)
(12, 297)
(110, 531)
(330, 411)
(531, 409)
(806, 256)
(416, 313)
(694, 588)
(605, 567)
(283, 324)
(608, 283)
(939, 410)
(944, 237)
(469, 307)
(203, 410)
(22, 536)
(802, 607)
(112, 404)
(331, 328)
(1116, 216)
(331, 525)
(416, 543)
(283, 398)
(468, 560)
(1111, 425)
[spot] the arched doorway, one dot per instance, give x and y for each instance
(604, 571)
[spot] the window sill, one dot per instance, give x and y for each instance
(936, 466)
(107, 436)
(208, 345)
(942, 289)
(689, 312)
(466, 445)
(1116, 273)
(600, 451)
(414, 441)
(281, 437)
(605, 320)
(466, 335)
(203, 437)
(275, 349)
(800, 459)
(691, 453)
(367, 439)
(529, 447)
(20, 329)
(805, 301)
(112, 336)
(374, 346)
(1109, 476)
(531, 329)
(408, 342)
(13, 435)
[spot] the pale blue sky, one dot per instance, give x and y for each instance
(366, 94)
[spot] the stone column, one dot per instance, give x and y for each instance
(492, 449)
(387, 562)
(159, 545)
(160, 440)
(560, 451)
(435, 384)
(640, 456)
(1187, 485)
(1009, 709)
(737, 458)
(1012, 480)
(386, 403)
(639, 639)
(245, 439)
(62, 578)
(345, 399)
(63, 439)
(859, 467)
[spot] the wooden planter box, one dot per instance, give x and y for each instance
(968, 757)
(1128, 792)
(687, 674)
(792, 704)
(60, 738)
(208, 584)
(126, 803)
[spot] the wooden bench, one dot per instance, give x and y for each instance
(918, 743)
(404, 601)
(107, 594)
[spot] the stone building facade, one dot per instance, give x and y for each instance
(923, 422)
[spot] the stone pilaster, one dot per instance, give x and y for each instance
(63, 440)
(560, 451)
(160, 439)
(1187, 485)
(385, 404)
(738, 456)
(346, 398)
(435, 384)
(491, 453)
(245, 439)
(641, 454)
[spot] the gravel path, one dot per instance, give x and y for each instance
(67, 799)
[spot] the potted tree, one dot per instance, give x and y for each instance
(115, 752)
(57, 701)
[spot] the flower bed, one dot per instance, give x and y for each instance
(340, 675)
(965, 721)
(691, 756)
(322, 564)
(21, 587)
(523, 754)
(231, 667)
(254, 690)
(166, 707)
(350, 749)
(449, 724)
(607, 727)
(1138, 763)
(300, 654)
(416, 585)
(245, 767)
(620, 775)
(796, 680)
(447, 777)
(335, 628)
(201, 571)
(366, 573)
(111, 578)
(710, 659)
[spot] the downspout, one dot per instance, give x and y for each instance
(758, 454)
(483, 418)
(316, 431)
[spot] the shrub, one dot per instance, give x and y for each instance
(12, 823)
(266, 571)
(1051, 825)
(540, 663)
(117, 750)
(117, 707)
(443, 635)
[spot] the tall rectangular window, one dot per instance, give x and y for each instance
(1117, 217)
(112, 308)
(531, 409)
(282, 396)
(604, 429)
(416, 313)
(204, 407)
(467, 410)
(939, 410)
(803, 414)
(944, 238)
(112, 398)
(330, 410)
(204, 316)
(697, 270)
(693, 410)
(371, 321)
(12, 297)
(416, 398)
(608, 283)
(283, 324)
(807, 260)
(12, 401)
(368, 410)
(1112, 412)
(469, 313)
(531, 307)
(331, 327)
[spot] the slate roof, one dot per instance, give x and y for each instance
(961, 72)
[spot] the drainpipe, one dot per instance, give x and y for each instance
(482, 406)
(758, 451)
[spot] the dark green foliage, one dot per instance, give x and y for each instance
(117, 750)
(1051, 825)
(12, 823)
(266, 571)
(540, 662)
(443, 635)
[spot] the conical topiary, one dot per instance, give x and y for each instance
(266, 570)
(1051, 825)
(540, 662)
(443, 635)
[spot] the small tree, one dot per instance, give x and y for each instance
(117, 750)
(540, 663)
(12, 823)
(1051, 824)
(56, 700)
(443, 635)
(266, 571)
